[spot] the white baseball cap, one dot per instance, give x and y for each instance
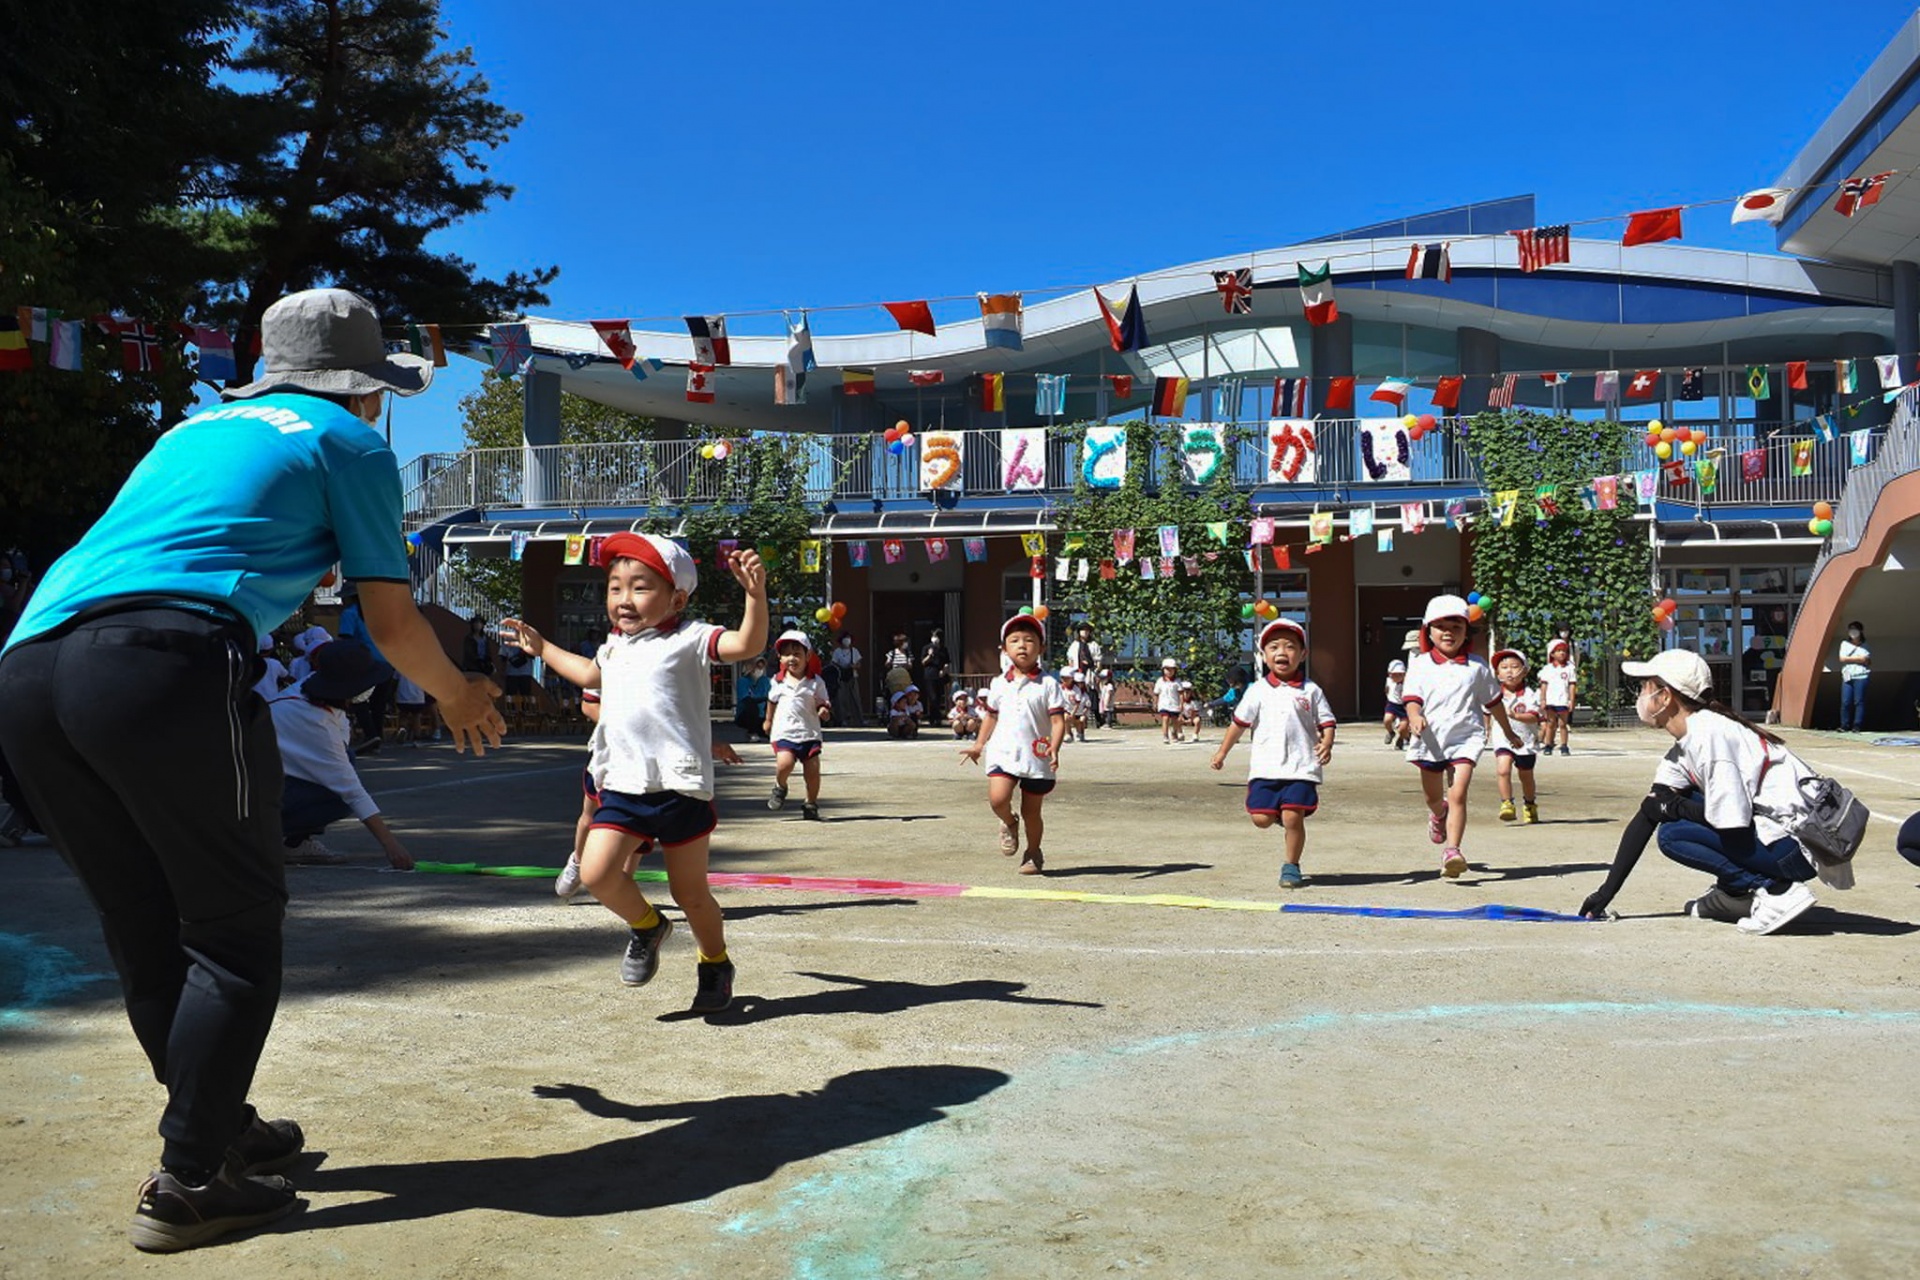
(1443, 607)
(1282, 624)
(663, 555)
(793, 637)
(1682, 670)
(1396, 666)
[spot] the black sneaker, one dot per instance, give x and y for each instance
(643, 954)
(175, 1215)
(811, 812)
(778, 798)
(715, 991)
(1717, 904)
(267, 1146)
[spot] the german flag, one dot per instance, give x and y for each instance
(856, 382)
(993, 393)
(1170, 397)
(14, 355)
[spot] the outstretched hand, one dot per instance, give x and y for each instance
(748, 571)
(516, 632)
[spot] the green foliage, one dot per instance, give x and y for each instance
(1196, 620)
(1590, 571)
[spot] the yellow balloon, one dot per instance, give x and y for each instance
(1656, 425)
(1410, 421)
(1663, 451)
(1688, 447)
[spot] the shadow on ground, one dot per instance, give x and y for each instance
(874, 996)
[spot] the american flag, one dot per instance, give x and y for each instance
(1857, 194)
(1501, 397)
(1430, 262)
(1289, 398)
(1236, 291)
(1543, 246)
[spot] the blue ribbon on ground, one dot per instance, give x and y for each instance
(1491, 911)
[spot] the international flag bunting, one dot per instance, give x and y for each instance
(1236, 291)
(1544, 246)
(424, 340)
(63, 344)
(1360, 522)
(1645, 383)
(1289, 398)
(1316, 294)
(510, 344)
(1128, 330)
(1501, 396)
(1050, 394)
(912, 317)
(1796, 375)
(1320, 526)
(1652, 226)
(1767, 204)
(1339, 393)
(1170, 397)
(576, 549)
(1001, 314)
(1845, 380)
(14, 355)
(857, 553)
(1606, 386)
(926, 377)
(1430, 262)
(216, 355)
(993, 393)
(1860, 194)
(1802, 458)
(799, 356)
(1506, 502)
(1122, 384)
(1759, 384)
(709, 340)
(1606, 493)
(700, 383)
(1383, 539)
(856, 382)
(1446, 394)
(140, 344)
(784, 392)
(975, 549)
(1693, 384)
(1889, 368)
(1556, 379)
(1391, 391)
(1859, 446)
(1823, 429)
(617, 335)
(1753, 465)
(34, 322)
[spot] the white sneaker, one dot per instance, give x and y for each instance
(1771, 910)
(311, 853)
(567, 883)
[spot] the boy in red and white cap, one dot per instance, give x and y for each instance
(653, 753)
(1523, 711)
(797, 704)
(1558, 684)
(1022, 724)
(1449, 695)
(1292, 725)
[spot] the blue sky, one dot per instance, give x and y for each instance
(698, 159)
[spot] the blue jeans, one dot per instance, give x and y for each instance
(1853, 704)
(1736, 860)
(306, 808)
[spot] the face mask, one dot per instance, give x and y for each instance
(1643, 706)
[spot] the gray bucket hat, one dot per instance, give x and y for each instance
(328, 341)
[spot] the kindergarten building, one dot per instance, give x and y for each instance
(1785, 360)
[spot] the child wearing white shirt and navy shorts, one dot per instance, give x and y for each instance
(1166, 700)
(652, 761)
(1292, 725)
(797, 703)
(1021, 728)
(1558, 683)
(1523, 711)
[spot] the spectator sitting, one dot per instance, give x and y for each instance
(903, 716)
(321, 785)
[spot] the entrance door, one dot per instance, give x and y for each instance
(917, 614)
(1386, 615)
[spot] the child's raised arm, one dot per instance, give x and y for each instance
(750, 637)
(573, 668)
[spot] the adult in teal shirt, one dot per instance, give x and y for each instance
(127, 710)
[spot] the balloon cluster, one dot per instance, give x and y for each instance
(1664, 440)
(1036, 611)
(1420, 424)
(831, 616)
(1478, 602)
(1821, 525)
(717, 451)
(1265, 610)
(1663, 611)
(899, 437)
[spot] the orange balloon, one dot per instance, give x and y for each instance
(1475, 613)
(1823, 511)
(1040, 611)
(1668, 434)
(1699, 435)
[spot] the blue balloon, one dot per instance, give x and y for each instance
(1473, 597)
(896, 448)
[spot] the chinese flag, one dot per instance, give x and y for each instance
(1797, 375)
(1652, 226)
(1446, 395)
(1122, 384)
(1339, 393)
(913, 316)
(1282, 558)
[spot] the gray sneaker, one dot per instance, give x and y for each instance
(643, 954)
(173, 1215)
(1718, 904)
(567, 883)
(778, 798)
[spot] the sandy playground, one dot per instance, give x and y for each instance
(1134, 1065)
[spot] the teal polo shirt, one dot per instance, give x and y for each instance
(246, 506)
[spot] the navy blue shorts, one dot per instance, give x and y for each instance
(1551, 707)
(1397, 710)
(802, 751)
(586, 785)
(1442, 766)
(1281, 795)
(669, 817)
(1032, 786)
(1521, 760)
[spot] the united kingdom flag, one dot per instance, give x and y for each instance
(1236, 291)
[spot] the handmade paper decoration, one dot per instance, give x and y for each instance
(1001, 315)
(1383, 539)
(1803, 457)
(576, 549)
(1191, 564)
(1080, 570)
(1062, 568)
(941, 461)
(1023, 459)
(1387, 451)
(1146, 568)
(723, 548)
(1320, 526)
(596, 551)
(1260, 531)
(1037, 567)
(1546, 501)
(1108, 571)
(1202, 447)
(1169, 540)
(1033, 544)
(1217, 530)
(975, 549)
(1606, 492)
(893, 549)
(1693, 384)
(1074, 542)
(1413, 516)
(1360, 522)
(517, 544)
(1457, 517)
(1889, 370)
(857, 554)
(1123, 545)
(1707, 472)
(1103, 461)
(1506, 502)
(1753, 465)
(1859, 445)
(1646, 485)
(1290, 457)
(810, 555)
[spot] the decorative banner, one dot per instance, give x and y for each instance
(1606, 492)
(1290, 458)
(1033, 544)
(1859, 445)
(893, 549)
(1202, 448)
(975, 549)
(1169, 540)
(1546, 500)
(722, 549)
(1108, 571)
(1646, 484)
(1507, 501)
(1360, 522)
(940, 461)
(1759, 386)
(1166, 566)
(1320, 526)
(1606, 386)
(936, 550)
(1062, 568)
(1260, 531)
(1803, 457)
(576, 549)
(1192, 565)
(519, 544)
(1023, 458)
(596, 551)
(1889, 369)
(1753, 465)
(1823, 429)
(1387, 451)
(810, 555)
(1707, 471)
(1049, 394)
(1217, 530)
(1123, 545)
(1383, 539)
(857, 554)
(1146, 568)
(1103, 464)
(1413, 516)
(1037, 567)
(1080, 570)
(1282, 559)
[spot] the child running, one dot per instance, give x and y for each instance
(653, 758)
(797, 704)
(1523, 712)
(1448, 698)
(1166, 700)
(1292, 725)
(1021, 729)
(1558, 684)
(1395, 719)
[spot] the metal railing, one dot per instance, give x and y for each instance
(862, 468)
(1896, 453)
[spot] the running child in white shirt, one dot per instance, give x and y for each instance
(1395, 719)
(1523, 712)
(797, 705)
(1558, 684)
(653, 757)
(1292, 725)
(1166, 700)
(1021, 730)
(1448, 697)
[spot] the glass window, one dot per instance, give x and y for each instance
(1697, 581)
(1769, 581)
(1707, 636)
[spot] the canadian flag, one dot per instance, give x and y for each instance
(700, 383)
(619, 339)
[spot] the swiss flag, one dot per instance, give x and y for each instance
(619, 340)
(1644, 384)
(1652, 226)
(700, 383)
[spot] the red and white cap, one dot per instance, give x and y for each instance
(1557, 644)
(793, 636)
(1282, 624)
(1026, 620)
(1494, 661)
(662, 555)
(1437, 608)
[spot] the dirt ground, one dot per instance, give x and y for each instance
(919, 1083)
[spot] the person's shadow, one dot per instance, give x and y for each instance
(871, 995)
(718, 1144)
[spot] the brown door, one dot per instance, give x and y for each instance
(1386, 615)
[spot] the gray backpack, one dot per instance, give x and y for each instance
(1830, 822)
